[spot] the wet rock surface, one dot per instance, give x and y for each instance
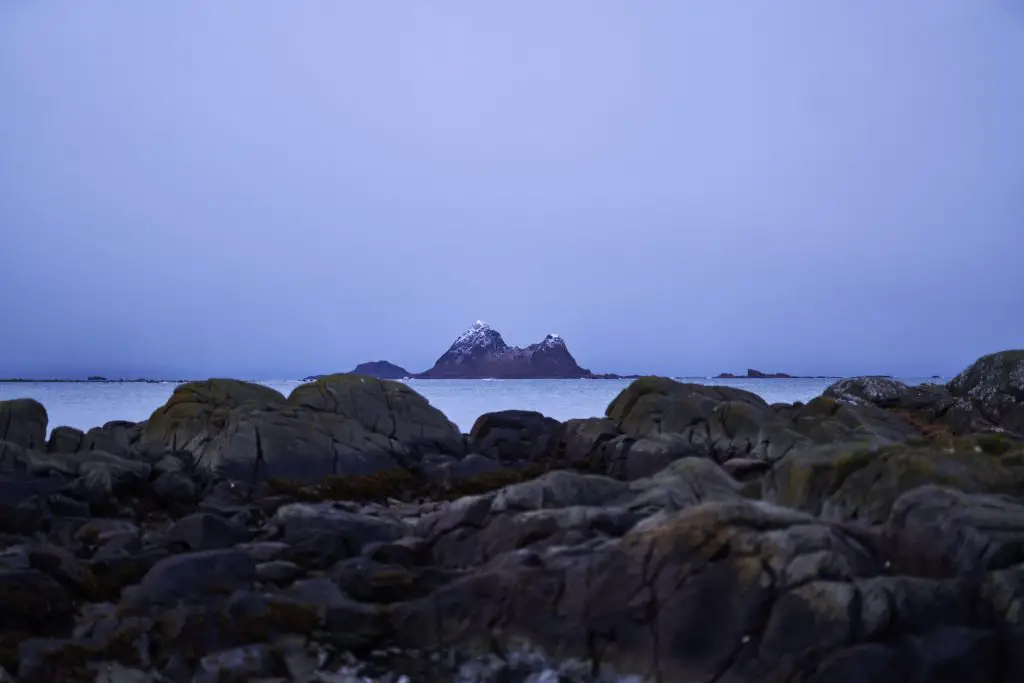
(348, 532)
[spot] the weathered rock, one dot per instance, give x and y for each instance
(23, 422)
(722, 423)
(117, 437)
(197, 411)
(102, 476)
(592, 441)
(565, 508)
(65, 440)
(322, 534)
(723, 591)
(994, 387)
(341, 425)
(942, 532)
(847, 482)
(885, 392)
(649, 455)
(656, 405)
(514, 435)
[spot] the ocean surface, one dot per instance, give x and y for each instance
(89, 404)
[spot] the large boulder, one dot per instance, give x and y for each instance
(994, 387)
(23, 422)
(197, 412)
(656, 405)
(885, 392)
(511, 436)
(345, 425)
(671, 420)
(65, 439)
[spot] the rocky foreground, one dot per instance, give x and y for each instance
(692, 535)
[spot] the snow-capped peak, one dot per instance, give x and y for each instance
(553, 340)
(478, 337)
(476, 331)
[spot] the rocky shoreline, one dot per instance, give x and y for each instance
(350, 532)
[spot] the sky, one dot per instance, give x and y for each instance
(272, 189)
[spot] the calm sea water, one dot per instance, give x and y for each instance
(86, 405)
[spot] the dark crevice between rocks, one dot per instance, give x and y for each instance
(392, 415)
(9, 414)
(258, 461)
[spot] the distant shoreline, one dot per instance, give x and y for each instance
(698, 378)
(22, 380)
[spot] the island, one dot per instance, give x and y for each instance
(755, 374)
(381, 369)
(481, 353)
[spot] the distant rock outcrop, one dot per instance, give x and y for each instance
(381, 369)
(481, 353)
(755, 374)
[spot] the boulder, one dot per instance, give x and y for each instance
(595, 440)
(321, 534)
(885, 392)
(117, 437)
(65, 440)
(657, 405)
(994, 387)
(197, 412)
(724, 424)
(511, 436)
(341, 425)
(23, 422)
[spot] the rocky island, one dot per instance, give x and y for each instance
(481, 353)
(755, 374)
(350, 532)
(381, 369)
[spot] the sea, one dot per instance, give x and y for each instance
(89, 404)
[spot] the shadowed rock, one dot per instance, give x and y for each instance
(23, 422)
(339, 425)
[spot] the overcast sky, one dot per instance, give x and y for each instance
(272, 189)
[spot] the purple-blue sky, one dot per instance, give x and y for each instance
(271, 189)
